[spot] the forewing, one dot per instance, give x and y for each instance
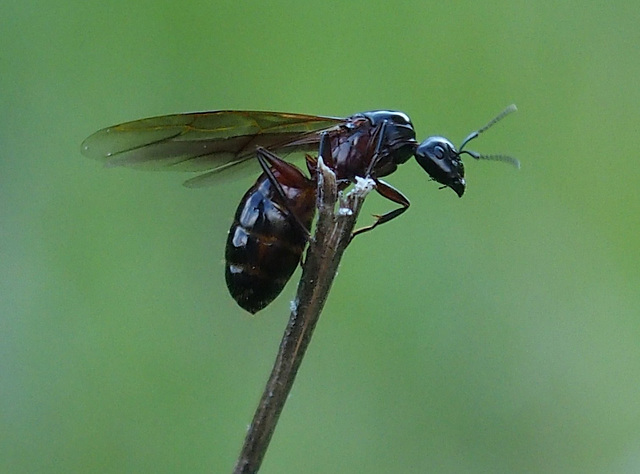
(204, 141)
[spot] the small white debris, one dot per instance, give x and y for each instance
(293, 305)
(345, 211)
(364, 185)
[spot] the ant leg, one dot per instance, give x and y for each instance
(325, 151)
(378, 136)
(392, 194)
(290, 174)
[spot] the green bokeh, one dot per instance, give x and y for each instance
(495, 333)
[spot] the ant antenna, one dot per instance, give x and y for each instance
(504, 158)
(500, 116)
(472, 135)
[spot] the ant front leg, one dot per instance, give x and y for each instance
(392, 194)
(377, 137)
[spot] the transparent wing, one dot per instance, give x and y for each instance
(205, 141)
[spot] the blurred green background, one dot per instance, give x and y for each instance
(499, 332)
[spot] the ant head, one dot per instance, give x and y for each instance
(440, 159)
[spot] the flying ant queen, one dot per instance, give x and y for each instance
(272, 223)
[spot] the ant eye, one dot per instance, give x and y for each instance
(438, 152)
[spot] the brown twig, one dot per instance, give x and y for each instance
(337, 216)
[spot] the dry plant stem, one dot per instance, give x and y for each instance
(332, 235)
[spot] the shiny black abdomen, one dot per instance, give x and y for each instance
(265, 243)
